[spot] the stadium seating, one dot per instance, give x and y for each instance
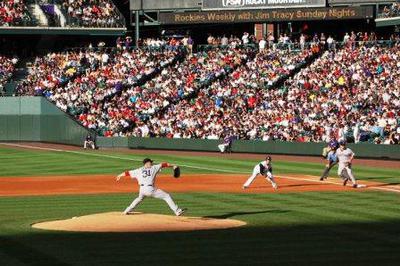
(92, 13)
(137, 103)
(14, 13)
(7, 67)
(349, 92)
(230, 106)
(78, 81)
(61, 13)
(391, 11)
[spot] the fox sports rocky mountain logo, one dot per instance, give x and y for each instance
(233, 3)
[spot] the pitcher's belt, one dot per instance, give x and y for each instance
(142, 185)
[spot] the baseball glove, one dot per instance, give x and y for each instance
(177, 172)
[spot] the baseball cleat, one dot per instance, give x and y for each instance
(128, 213)
(321, 179)
(245, 187)
(274, 185)
(180, 212)
(355, 186)
(345, 181)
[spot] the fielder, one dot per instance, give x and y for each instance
(345, 157)
(226, 145)
(263, 168)
(330, 154)
(89, 141)
(146, 176)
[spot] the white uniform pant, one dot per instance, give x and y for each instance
(222, 147)
(347, 173)
(88, 143)
(150, 191)
(256, 171)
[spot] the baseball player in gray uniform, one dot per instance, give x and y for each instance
(345, 157)
(264, 168)
(146, 176)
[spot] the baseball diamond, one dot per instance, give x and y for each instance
(199, 132)
(76, 185)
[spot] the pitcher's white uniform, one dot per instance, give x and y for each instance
(146, 179)
(257, 170)
(344, 157)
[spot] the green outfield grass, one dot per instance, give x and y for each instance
(17, 162)
(315, 228)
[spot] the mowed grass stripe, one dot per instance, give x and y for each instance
(92, 163)
(271, 237)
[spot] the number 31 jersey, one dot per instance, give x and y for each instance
(146, 176)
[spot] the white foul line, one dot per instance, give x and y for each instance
(109, 156)
(190, 166)
(337, 183)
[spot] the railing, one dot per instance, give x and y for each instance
(293, 46)
(130, 48)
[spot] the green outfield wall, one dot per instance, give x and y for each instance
(36, 119)
(364, 150)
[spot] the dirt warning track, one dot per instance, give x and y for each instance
(98, 184)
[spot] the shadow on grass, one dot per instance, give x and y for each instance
(331, 244)
(232, 214)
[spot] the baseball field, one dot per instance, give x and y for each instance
(304, 222)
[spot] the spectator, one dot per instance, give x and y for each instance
(93, 13)
(14, 13)
(7, 68)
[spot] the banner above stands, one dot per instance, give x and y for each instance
(259, 4)
(337, 13)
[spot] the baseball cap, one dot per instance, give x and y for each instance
(268, 157)
(146, 160)
(333, 144)
(342, 142)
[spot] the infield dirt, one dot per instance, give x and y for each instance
(98, 184)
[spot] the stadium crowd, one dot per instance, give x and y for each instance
(230, 106)
(350, 92)
(92, 13)
(7, 67)
(77, 81)
(13, 13)
(175, 82)
(392, 11)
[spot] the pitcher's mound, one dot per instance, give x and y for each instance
(138, 222)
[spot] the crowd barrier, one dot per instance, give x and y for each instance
(36, 119)
(362, 150)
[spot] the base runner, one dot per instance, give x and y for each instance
(263, 168)
(345, 157)
(146, 176)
